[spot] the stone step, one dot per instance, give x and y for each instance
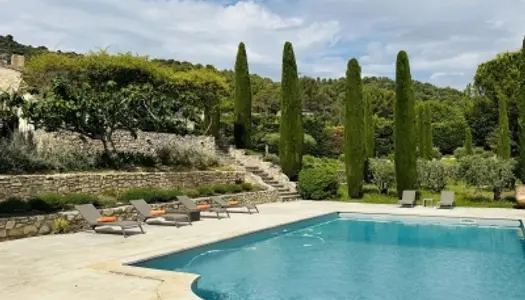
(252, 169)
(290, 198)
(266, 177)
(271, 182)
(288, 193)
(283, 190)
(277, 186)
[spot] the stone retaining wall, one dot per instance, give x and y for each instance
(25, 186)
(26, 226)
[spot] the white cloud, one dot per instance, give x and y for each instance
(444, 38)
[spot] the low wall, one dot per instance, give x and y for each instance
(26, 226)
(25, 186)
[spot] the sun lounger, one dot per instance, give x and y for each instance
(447, 200)
(408, 199)
(94, 219)
(190, 206)
(146, 213)
(224, 204)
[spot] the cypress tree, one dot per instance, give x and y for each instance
(504, 133)
(370, 136)
(354, 130)
(421, 130)
(468, 142)
(404, 131)
(291, 128)
(521, 119)
(243, 101)
(427, 123)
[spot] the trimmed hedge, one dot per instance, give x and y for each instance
(50, 203)
(318, 183)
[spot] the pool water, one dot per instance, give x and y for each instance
(346, 258)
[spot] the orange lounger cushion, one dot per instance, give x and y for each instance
(233, 202)
(203, 206)
(158, 212)
(107, 219)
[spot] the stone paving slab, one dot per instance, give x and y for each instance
(87, 266)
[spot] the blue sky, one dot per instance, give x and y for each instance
(445, 39)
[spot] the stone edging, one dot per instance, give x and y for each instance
(26, 226)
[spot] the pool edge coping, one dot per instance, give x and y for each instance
(174, 285)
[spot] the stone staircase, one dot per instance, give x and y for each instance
(285, 193)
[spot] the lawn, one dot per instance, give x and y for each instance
(463, 197)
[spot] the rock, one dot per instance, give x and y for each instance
(15, 232)
(45, 229)
(30, 230)
(10, 224)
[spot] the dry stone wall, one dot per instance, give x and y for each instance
(146, 142)
(25, 186)
(71, 221)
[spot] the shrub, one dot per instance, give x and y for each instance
(47, 202)
(246, 186)
(77, 199)
(493, 172)
(383, 174)
(318, 183)
(273, 158)
(235, 188)
(432, 174)
(220, 189)
(186, 156)
(205, 191)
(150, 195)
(435, 154)
(462, 152)
(60, 226)
(14, 205)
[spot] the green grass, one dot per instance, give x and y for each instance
(466, 197)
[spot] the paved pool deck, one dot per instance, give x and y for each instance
(88, 266)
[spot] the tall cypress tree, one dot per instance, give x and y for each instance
(427, 123)
(468, 142)
(354, 130)
(291, 128)
(243, 101)
(370, 126)
(521, 120)
(504, 132)
(421, 139)
(405, 127)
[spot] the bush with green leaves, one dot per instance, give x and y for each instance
(383, 173)
(151, 195)
(492, 172)
(462, 152)
(14, 205)
(432, 174)
(273, 140)
(186, 156)
(318, 183)
(273, 158)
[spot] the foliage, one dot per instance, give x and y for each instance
(243, 100)
(324, 162)
(427, 128)
(273, 158)
(10, 103)
(405, 131)
(273, 141)
(420, 109)
(291, 130)
(503, 133)
(370, 133)
(186, 156)
(383, 174)
(61, 225)
(468, 142)
(49, 202)
(318, 183)
(494, 172)
(355, 130)
(432, 174)
(521, 121)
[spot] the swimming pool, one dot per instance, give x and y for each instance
(350, 256)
